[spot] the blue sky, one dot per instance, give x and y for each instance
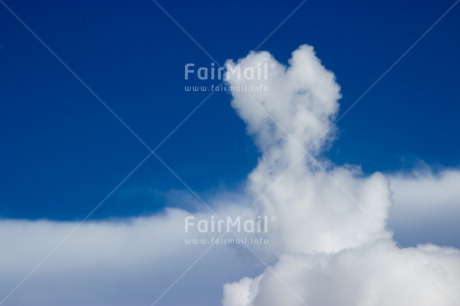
(88, 216)
(62, 152)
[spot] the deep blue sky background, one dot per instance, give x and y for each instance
(62, 151)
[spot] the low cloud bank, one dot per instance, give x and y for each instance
(126, 262)
(426, 207)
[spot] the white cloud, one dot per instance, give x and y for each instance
(378, 273)
(426, 206)
(333, 247)
(129, 262)
(317, 210)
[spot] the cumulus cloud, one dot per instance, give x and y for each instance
(378, 273)
(296, 187)
(331, 242)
